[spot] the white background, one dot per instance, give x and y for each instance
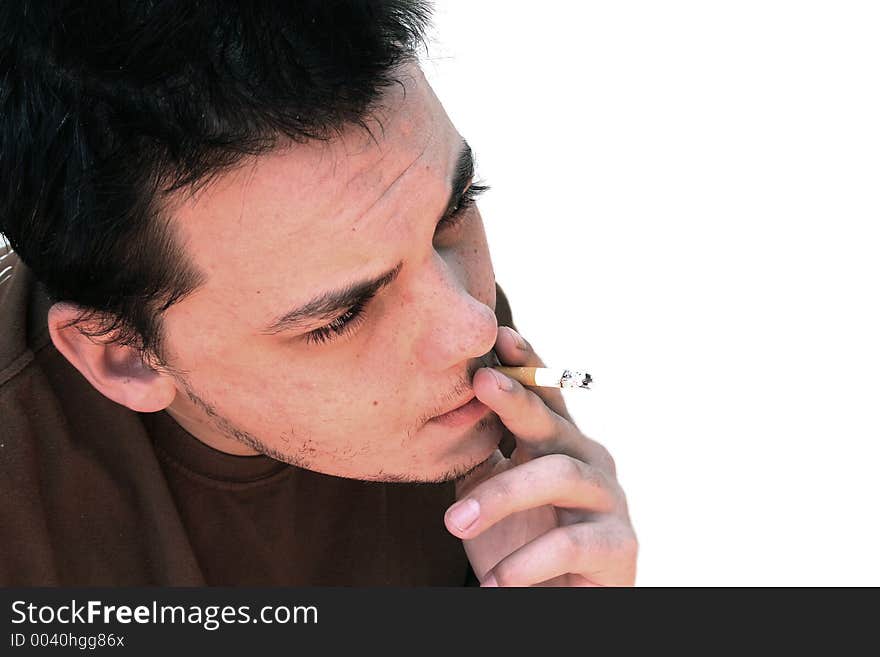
(685, 203)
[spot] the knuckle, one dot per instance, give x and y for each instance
(607, 542)
(500, 490)
(620, 540)
(608, 499)
(593, 481)
(605, 460)
(598, 481)
(564, 466)
(505, 574)
(595, 477)
(600, 539)
(572, 544)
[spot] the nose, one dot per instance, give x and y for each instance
(457, 326)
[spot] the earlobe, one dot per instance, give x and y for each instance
(116, 371)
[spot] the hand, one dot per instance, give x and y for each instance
(553, 513)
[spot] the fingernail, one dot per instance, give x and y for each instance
(504, 382)
(464, 514)
(489, 581)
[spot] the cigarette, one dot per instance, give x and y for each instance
(548, 377)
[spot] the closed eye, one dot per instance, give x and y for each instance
(342, 325)
(348, 321)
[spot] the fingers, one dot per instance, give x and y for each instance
(538, 429)
(514, 350)
(556, 480)
(590, 554)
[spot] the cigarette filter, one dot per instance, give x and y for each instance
(548, 377)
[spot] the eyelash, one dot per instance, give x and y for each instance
(352, 317)
(465, 203)
(343, 324)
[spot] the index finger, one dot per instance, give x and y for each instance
(565, 482)
(515, 351)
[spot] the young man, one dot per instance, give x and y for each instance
(249, 285)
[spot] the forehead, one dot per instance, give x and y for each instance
(313, 216)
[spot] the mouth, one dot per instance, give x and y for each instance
(466, 413)
(470, 409)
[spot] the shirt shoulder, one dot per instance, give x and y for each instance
(81, 479)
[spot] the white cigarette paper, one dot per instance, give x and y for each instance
(548, 377)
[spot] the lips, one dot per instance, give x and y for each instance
(463, 416)
(457, 406)
(468, 407)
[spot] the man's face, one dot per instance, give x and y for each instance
(296, 223)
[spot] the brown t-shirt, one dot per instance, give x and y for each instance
(93, 493)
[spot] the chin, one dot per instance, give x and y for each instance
(449, 472)
(459, 465)
(466, 454)
(463, 471)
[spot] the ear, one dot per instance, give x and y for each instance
(116, 371)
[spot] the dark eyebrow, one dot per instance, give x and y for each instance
(331, 303)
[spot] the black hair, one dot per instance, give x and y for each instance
(108, 106)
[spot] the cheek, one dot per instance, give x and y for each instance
(333, 394)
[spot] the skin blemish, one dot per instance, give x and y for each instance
(375, 403)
